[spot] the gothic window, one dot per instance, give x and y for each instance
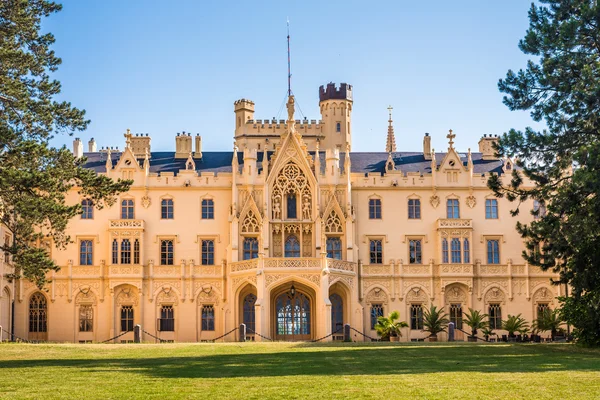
(292, 207)
(136, 251)
(250, 224)
(166, 252)
(333, 224)
(208, 318)
(250, 248)
(414, 209)
(208, 252)
(416, 316)
(127, 209)
(85, 253)
(491, 209)
(541, 309)
(87, 209)
(495, 316)
(445, 251)
(415, 250)
(126, 318)
(6, 246)
(376, 252)
(86, 318)
(166, 209)
(493, 251)
(455, 250)
(125, 251)
(115, 251)
(466, 251)
(452, 209)
(374, 209)
(456, 315)
(250, 313)
(166, 322)
(292, 247)
(376, 312)
(38, 313)
(334, 248)
(208, 209)
(337, 312)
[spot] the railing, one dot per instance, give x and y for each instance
(341, 265)
(455, 223)
(126, 224)
(456, 269)
(245, 265)
(292, 263)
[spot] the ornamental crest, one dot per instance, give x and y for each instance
(471, 201)
(435, 201)
(146, 201)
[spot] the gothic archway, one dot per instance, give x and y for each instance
(38, 317)
(293, 312)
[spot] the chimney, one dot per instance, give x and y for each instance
(485, 147)
(140, 144)
(92, 148)
(198, 153)
(183, 145)
(77, 148)
(427, 146)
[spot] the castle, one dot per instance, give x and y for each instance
(291, 233)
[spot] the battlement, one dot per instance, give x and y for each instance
(344, 92)
(243, 104)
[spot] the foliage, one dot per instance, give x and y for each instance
(550, 320)
(389, 326)
(515, 323)
(435, 320)
(560, 86)
(487, 332)
(475, 320)
(35, 177)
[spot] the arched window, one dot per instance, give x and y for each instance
(85, 253)
(493, 251)
(455, 250)
(334, 248)
(292, 247)
(166, 209)
(466, 251)
(250, 248)
(249, 312)
(337, 312)
(115, 251)
(445, 251)
(125, 251)
(38, 314)
(292, 207)
(166, 252)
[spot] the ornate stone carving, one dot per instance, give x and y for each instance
(519, 286)
(434, 201)
(377, 270)
(471, 201)
(127, 295)
(455, 294)
(244, 265)
(292, 181)
(377, 295)
(348, 280)
(494, 269)
(85, 296)
(208, 294)
(416, 295)
(333, 223)
(495, 295)
(543, 295)
(415, 269)
(146, 201)
(379, 282)
(341, 265)
(166, 295)
(250, 224)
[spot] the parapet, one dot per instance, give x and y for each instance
(243, 104)
(344, 92)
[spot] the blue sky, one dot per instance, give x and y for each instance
(162, 67)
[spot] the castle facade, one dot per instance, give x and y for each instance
(291, 233)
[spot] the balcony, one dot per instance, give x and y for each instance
(294, 263)
(455, 223)
(126, 224)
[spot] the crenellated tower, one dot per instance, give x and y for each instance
(335, 104)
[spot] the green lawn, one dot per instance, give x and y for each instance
(300, 370)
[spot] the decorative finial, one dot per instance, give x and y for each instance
(450, 137)
(390, 145)
(390, 108)
(128, 139)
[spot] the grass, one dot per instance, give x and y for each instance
(299, 371)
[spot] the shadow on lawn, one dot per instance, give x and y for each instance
(339, 360)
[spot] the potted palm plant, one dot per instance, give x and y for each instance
(549, 320)
(434, 321)
(389, 327)
(475, 320)
(487, 332)
(515, 323)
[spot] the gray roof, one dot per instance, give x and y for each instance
(220, 161)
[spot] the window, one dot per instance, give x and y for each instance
(376, 312)
(250, 312)
(208, 318)
(495, 316)
(127, 209)
(166, 252)
(126, 318)
(491, 209)
(539, 210)
(452, 209)
(414, 209)
(292, 208)
(466, 251)
(455, 251)
(115, 251)
(415, 256)
(334, 248)
(166, 209)
(292, 247)
(493, 251)
(338, 127)
(374, 209)
(208, 252)
(86, 318)
(136, 251)
(416, 316)
(38, 313)
(541, 309)
(456, 315)
(85, 253)
(166, 323)
(376, 252)
(87, 209)
(6, 246)
(208, 209)
(445, 251)
(125, 251)
(250, 248)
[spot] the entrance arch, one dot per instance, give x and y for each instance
(293, 306)
(38, 317)
(5, 312)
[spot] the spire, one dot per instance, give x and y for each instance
(390, 145)
(108, 160)
(289, 60)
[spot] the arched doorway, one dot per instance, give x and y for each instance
(293, 313)
(337, 313)
(38, 317)
(5, 314)
(248, 312)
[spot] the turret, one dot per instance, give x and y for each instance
(486, 148)
(244, 112)
(183, 145)
(336, 113)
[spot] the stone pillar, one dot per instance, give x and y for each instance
(242, 332)
(347, 337)
(451, 331)
(137, 334)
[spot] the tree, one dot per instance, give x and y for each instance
(389, 326)
(35, 177)
(549, 320)
(515, 323)
(561, 87)
(475, 320)
(435, 321)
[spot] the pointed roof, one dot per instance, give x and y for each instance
(390, 145)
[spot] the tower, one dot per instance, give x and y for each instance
(244, 111)
(336, 113)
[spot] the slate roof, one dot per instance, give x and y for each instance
(220, 161)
